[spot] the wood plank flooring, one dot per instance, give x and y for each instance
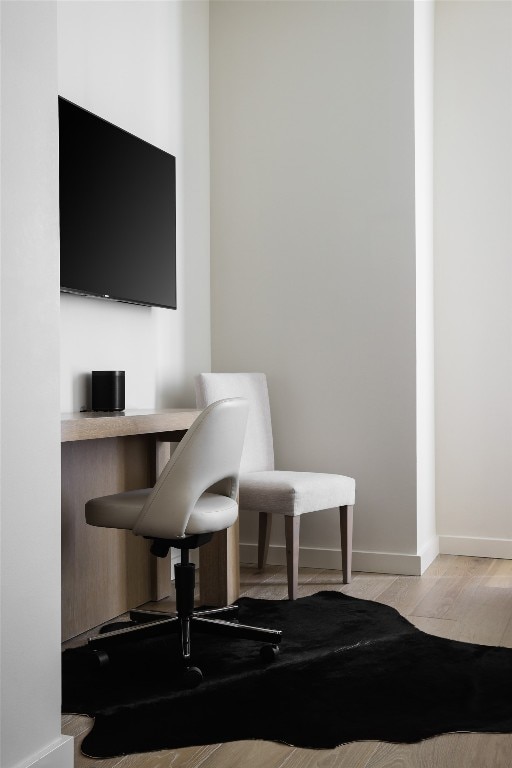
(462, 598)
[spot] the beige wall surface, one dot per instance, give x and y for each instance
(313, 245)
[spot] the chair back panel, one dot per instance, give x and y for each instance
(258, 451)
(207, 458)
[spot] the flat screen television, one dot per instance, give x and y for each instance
(117, 196)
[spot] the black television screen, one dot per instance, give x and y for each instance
(117, 198)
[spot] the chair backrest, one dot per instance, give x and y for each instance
(207, 459)
(258, 452)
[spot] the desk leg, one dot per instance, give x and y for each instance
(105, 572)
(219, 568)
(160, 566)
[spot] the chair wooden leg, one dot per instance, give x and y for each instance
(291, 531)
(265, 526)
(346, 519)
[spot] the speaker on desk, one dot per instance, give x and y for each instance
(107, 390)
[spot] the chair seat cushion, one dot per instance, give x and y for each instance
(295, 493)
(120, 510)
(212, 512)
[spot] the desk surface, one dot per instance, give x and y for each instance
(90, 425)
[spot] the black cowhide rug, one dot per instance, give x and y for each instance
(348, 670)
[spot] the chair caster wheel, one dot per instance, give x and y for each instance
(102, 658)
(269, 653)
(192, 677)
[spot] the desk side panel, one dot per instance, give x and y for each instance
(105, 572)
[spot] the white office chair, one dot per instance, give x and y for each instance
(195, 495)
(268, 491)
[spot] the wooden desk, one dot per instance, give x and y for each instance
(105, 572)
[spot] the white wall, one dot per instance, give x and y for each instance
(30, 439)
(313, 250)
(473, 280)
(427, 540)
(144, 67)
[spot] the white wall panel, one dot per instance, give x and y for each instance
(144, 66)
(473, 276)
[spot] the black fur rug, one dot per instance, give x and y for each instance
(348, 670)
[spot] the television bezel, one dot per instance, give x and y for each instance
(109, 296)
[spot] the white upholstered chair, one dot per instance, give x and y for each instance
(195, 496)
(268, 491)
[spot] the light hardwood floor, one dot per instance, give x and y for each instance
(462, 598)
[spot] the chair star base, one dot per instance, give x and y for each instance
(184, 624)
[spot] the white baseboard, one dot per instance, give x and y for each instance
(429, 553)
(370, 562)
(59, 754)
(476, 546)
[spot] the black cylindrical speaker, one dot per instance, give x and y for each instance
(108, 390)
